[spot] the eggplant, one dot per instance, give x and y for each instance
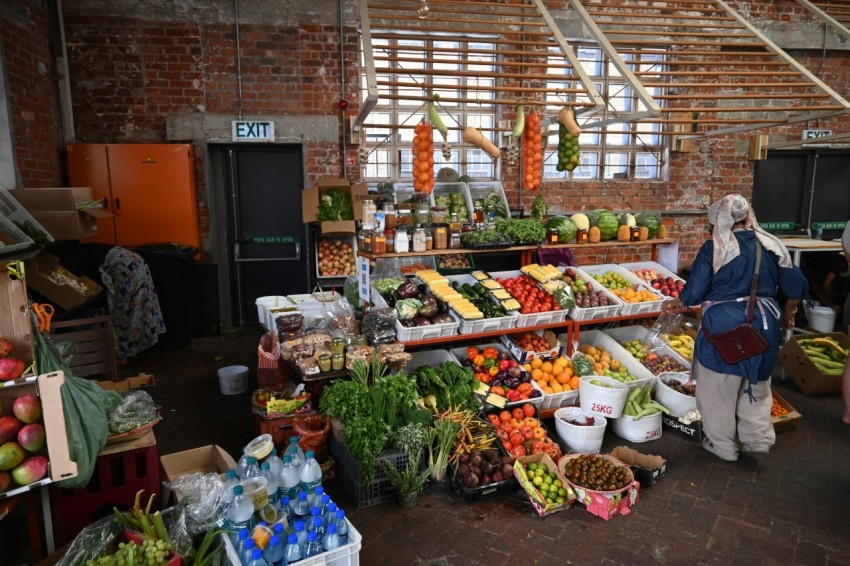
(429, 307)
(515, 372)
(421, 321)
(497, 382)
(407, 290)
(503, 375)
(443, 308)
(513, 382)
(442, 319)
(525, 377)
(390, 299)
(535, 393)
(422, 288)
(407, 323)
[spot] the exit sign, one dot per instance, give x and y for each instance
(252, 131)
(816, 134)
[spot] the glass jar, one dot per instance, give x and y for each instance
(454, 240)
(429, 240)
(478, 215)
(423, 215)
(438, 214)
(338, 346)
(379, 243)
(581, 236)
(552, 236)
(361, 240)
(441, 238)
(337, 362)
(389, 217)
(367, 210)
(634, 233)
(325, 363)
(403, 216)
(367, 240)
(402, 241)
(390, 236)
(419, 240)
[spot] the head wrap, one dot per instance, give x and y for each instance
(724, 214)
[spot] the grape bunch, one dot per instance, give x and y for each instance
(152, 553)
(568, 151)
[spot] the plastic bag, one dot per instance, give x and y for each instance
(313, 434)
(136, 411)
(203, 501)
(581, 364)
(379, 325)
(92, 541)
(341, 318)
(351, 291)
(667, 323)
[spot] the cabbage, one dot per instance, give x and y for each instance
(566, 228)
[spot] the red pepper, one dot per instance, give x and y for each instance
(504, 365)
(512, 395)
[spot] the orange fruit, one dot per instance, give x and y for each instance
(563, 379)
(527, 367)
(536, 363)
(574, 381)
(557, 370)
(546, 367)
(536, 374)
(556, 387)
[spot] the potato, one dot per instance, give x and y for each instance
(335, 257)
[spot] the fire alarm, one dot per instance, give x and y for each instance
(343, 103)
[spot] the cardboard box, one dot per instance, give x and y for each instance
(805, 373)
(647, 469)
(692, 430)
(787, 421)
(58, 285)
(310, 203)
(205, 459)
(604, 504)
(143, 381)
(15, 325)
(66, 213)
(554, 351)
(47, 388)
(537, 500)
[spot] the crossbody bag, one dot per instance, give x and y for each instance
(743, 341)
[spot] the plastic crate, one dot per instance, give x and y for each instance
(594, 313)
(12, 239)
(116, 479)
(659, 269)
(524, 320)
(431, 358)
(557, 400)
(637, 369)
(346, 555)
(441, 189)
(481, 324)
(11, 210)
(404, 193)
(395, 264)
(628, 333)
(480, 190)
(628, 308)
(405, 334)
(379, 490)
(454, 270)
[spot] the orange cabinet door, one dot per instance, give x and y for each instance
(153, 192)
(88, 167)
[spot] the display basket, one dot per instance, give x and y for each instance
(787, 421)
(405, 265)
(604, 504)
(534, 319)
(628, 333)
(643, 429)
(407, 334)
(351, 241)
(404, 193)
(603, 401)
(442, 189)
(491, 246)
(660, 270)
(556, 400)
(541, 507)
(454, 270)
(12, 239)
(431, 358)
(479, 191)
(627, 308)
(596, 313)
(603, 339)
(17, 215)
(586, 439)
(477, 493)
(484, 324)
(678, 403)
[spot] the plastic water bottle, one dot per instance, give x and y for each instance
(284, 511)
(273, 554)
(341, 527)
(295, 452)
(331, 539)
(275, 463)
(301, 534)
(316, 498)
(301, 507)
(314, 513)
(242, 466)
(278, 530)
(257, 558)
(241, 539)
(318, 527)
(323, 505)
(314, 547)
(247, 550)
(252, 470)
(230, 481)
(239, 514)
(330, 513)
(292, 552)
(290, 479)
(271, 487)
(311, 474)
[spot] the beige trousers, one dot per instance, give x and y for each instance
(726, 410)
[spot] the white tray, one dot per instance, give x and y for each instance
(524, 320)
(594, 313)
(12, 210)
(429, 358)
(482, 324)
(627, 333)
(637, 369)
(405, 334)
(659, 269)
(628, 308)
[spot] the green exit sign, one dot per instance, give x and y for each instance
(778, 225)
(253, 131)
(828, 225)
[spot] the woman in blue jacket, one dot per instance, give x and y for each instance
(735, 399)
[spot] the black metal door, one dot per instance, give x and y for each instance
(265, 231)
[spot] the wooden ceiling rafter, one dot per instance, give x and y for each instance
(701, 40)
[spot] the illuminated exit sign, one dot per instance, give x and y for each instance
(252, 131)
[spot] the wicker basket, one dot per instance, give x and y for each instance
(134, 434)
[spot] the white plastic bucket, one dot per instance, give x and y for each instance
(600, 400)
(233, 380)
(642, 430)
(264, 303)
(583, 439)
(821, 318)
(678, 403)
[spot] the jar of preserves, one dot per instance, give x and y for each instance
(552, 236)
(403, 216)
(454, 240)
(419, 240)
(338, 346)
(634, 233)
(478, 215)
(438, 214)
(429, 240)
(361, 240)
(337, 362)
(325, 363)
(423, 214)
(441, 238)
(390, 236)
(581, 236)
(367, 240)
(367, 210)
(389, 217)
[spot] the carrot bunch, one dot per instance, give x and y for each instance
(532, 148)
(423, 157)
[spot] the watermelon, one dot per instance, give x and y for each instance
(608, 224)
(652, 223)
(566, 228)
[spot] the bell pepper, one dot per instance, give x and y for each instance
(478, 360)
(490, 363)
(483, 377)
(472, 352)
(504, 365)
(493, 371)
(491, 352)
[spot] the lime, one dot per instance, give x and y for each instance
(559, 499)
(557, 483)
(537, 480)
(532, 466)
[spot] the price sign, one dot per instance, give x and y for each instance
(363, 280)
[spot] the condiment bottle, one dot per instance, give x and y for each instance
(367, 210)
(441, 238)
(379, 243)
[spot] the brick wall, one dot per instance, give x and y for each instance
(26, 35)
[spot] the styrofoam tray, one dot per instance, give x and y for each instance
(628, 308)
(637, 369)
(594, 313)
(627, 333)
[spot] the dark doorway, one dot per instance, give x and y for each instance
(265, 232)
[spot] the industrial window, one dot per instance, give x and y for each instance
(464, 101)
(617, 150)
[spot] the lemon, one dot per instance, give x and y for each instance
(537, 480)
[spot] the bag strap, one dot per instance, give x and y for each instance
(751, 304)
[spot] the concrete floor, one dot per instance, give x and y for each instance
(788, 507)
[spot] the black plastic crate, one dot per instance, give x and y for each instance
(379, 490)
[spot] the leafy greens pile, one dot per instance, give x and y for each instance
(335, 205)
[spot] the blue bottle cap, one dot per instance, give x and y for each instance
(256, 554)
(251, 460)
(293, 440)
(315, 511)
(266, 466)
(293, 538)
(302, 496)
(340, 513)
(326, 499)
(309, 454)
(274, 541)
(332, 528)
(249, 543)
(299, 525)
(278, 528)
(243, 534)
(238, 489)
(231, 473)
(287, 459)
(312, 536)
(320, 490)
(317, 522)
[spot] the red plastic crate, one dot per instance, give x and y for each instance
(116, 479)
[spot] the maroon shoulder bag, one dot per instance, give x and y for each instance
(743, 341)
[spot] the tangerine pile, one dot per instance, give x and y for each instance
(629, 295)
(556, 376)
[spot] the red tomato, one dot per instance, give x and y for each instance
(517, 451)
(528, 410)
(505, 416)
(518, 413)
(516, 438)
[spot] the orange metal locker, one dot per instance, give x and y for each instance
(151, 190)
(88, 167)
